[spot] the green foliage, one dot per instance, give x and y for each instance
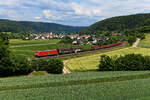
(4, 52)
(120, 23)
(10, 65)
(131, 39)
(129, 62)
(66, 39)
(144, 29)
(14, 66)
(86, 47)
(106, 63)
(20, 66)
(54, 66)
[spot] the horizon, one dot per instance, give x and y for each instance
(70, 12)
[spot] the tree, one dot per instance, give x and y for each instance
(66, 39)
(4, 52)
(131, 39)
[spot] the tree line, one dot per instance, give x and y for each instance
(24, 27)
(128, 62)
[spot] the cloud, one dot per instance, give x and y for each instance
(70, 12)
(86, 10)
(38, 17)
(49, 15)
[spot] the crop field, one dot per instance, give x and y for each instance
(91, 62)
(78, 86)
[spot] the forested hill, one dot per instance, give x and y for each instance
(120, 23)
(27, 26)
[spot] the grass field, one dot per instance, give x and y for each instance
(91, 62)
(78, 86)
(19, 42)
(146, 42)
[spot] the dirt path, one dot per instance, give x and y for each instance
(66, 70)
(31, 45)
(136, 43)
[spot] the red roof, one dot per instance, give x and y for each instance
(84, 36)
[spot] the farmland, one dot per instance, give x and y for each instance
(79, 85)
(91, 62)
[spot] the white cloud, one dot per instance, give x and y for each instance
(49, 15)
(38, 17)
(86, 10)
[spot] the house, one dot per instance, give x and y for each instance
(74, 36)
(47, 35)
(75, 42)
(84, 36)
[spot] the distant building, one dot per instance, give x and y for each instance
(84, 36)
(74, 36)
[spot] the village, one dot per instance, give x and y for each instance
(76, 38)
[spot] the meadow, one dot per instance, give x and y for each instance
(20, 42)
(78, 85)
(91, 62)
(146, 42)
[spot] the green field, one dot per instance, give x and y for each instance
(29, 47)
(19, 42)
(91, 62)
(78, 86)
(146, 42)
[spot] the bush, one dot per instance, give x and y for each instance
(14, 66)
(21, 66)
(39, 65)
(129, 62)
(54, 66)
(131, 39)
(66, 39)
(106, 63)
(86, 47)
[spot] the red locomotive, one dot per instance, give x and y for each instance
(61, 51)
(46, 53)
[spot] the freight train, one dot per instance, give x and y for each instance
(61, 51)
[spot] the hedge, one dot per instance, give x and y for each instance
(129, 62)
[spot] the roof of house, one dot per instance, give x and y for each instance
(84, 36)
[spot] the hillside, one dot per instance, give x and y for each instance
(27, 26)
(120, 23)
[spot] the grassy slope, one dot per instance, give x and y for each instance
(146, 42)
(92, 62)
(82, 85)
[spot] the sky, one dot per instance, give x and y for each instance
(70, 12)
